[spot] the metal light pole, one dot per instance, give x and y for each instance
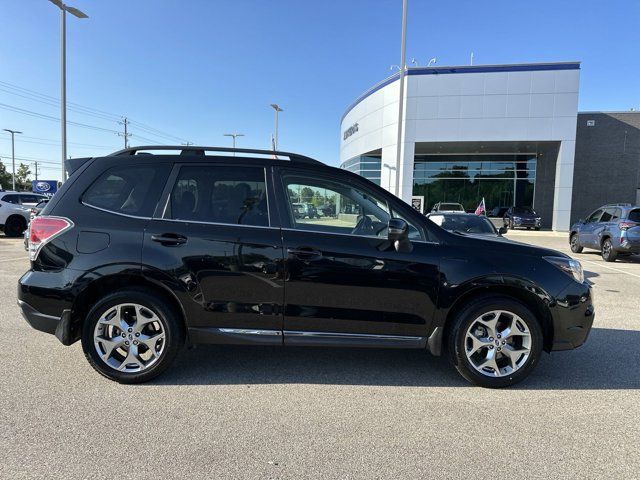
(63, 71)
(13, 154)
(234, 135)
(403, 70)
(277, 109)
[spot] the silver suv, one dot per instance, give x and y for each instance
(613, 229)
(15, 210)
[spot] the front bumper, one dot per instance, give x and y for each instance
(58, 326)
(573, 315)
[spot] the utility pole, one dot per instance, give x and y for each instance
(403, 49)
(13, 154)
(187, 143)
(278, 110)
(126, 133)
(36, 169)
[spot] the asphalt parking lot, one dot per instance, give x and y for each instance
(232, 412)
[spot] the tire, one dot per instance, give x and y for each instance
(530, 338)
(15, 226)
(573, 243)
(129, 300)
(537, 229)
(607, 251)
(528, 228)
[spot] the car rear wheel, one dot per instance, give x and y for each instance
(495, 342)
(131, 336)
(15, 226)
(608, 253)
(573, 243)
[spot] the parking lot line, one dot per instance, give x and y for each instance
(601, 264)
(24, 257)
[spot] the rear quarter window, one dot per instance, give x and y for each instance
(634, 215)
(128, 189)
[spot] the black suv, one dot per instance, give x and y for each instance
(139, 253)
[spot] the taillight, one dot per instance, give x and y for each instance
(44, 229)
(627, 225)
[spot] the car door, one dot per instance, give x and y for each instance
(587, 233)
(215, 243)
(345, 282)
(607, 220)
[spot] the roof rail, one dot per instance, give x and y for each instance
(200, 151)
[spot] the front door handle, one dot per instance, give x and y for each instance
(305, 253)
(169, 239)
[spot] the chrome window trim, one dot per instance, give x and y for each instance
(351, 235)
(200, 222)
(115, 213)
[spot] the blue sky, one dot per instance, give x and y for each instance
(195, 69)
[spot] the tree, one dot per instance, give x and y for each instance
(5, 178)
(22, 177)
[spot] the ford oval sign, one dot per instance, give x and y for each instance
(43, 186)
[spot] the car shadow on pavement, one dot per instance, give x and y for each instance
(592, 366)
(620, 259)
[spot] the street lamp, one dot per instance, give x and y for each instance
(277, 109)
(403, 62)
(234, 135)
(63, 71)
(13, 154)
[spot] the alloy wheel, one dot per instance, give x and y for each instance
(129, 337)
(498, 343)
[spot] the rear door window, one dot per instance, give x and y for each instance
(220, 194)
(607, 215)
(634, 215)
(128, 189)
(11, 199)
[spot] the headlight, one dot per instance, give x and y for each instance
(569, 266)
(516, 219)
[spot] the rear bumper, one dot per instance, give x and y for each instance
(629, 247)
(573, 316)
(58, 326)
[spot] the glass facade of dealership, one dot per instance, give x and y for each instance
(369, 166)
(502, 180)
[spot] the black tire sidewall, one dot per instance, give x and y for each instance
(13, 227)
(612, 254)
(174, 336)
(574, 248)
(456, 340)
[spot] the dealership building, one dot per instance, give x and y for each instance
(510, 134)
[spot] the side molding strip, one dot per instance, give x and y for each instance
(333, 339)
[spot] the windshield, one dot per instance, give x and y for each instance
(523, 210)
(456, 207)
(464, 223)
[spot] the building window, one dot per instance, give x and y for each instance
(502, 180)
(368, 166)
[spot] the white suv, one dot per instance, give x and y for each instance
(15, 209)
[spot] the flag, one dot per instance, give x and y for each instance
(481, 210)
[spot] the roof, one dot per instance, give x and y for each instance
(516, 67)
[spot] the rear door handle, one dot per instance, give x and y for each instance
(169, 239)
(305, 253)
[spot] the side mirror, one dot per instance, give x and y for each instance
(398, 235)
(503, 231)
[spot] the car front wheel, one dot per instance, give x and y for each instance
(495, 342)
(15, 226)
(575, 245)
(131, 336)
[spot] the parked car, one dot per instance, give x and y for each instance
(466, 223)
(517, 217)
(194, 248)
(612, 229)
(498, 212)
(447, 207)
(304, 210)
(15, 210)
